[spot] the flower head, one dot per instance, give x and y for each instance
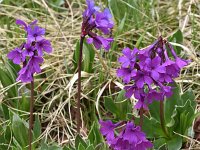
(24, 25)
(33, 66)
(104, 21)
(129, 57)
(43, 45)
(107, 129)
(100, 41)
(30, 53)
(130, 138)
(35, 33)
(29, 50)
(91, 9)
(149, 71)
(16, 56)
(94, 19)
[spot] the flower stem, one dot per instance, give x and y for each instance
(162, 119)
(31, 115)
(141, 116)
(79, 85)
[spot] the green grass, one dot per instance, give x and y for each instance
(138, 23)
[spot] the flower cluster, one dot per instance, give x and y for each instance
(30, 52)
(147, 73)
(130, 138)
(94, 19)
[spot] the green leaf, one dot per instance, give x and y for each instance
(169, 103)
(8, 134)
(175, 143)
(8, 75)
(76, 54)
(91, 135)
(78, 141)
(154, 110)
(159, 143)
(66, 148)
(2, 142)
(94, 135)
(24, 103)
(18, 146)
(57, 2)
(181, 118)
(54, 146)
(110, 105)
(188, 95)
(81, 147)
(121, 96)
(135, 10)
(20, 130)
(121, 25)
(88, 57)
(177, 37)
(5, 111)
(123, 106)
(37, 127)
(91, 147)
(151, 127)
(101, 146)
(140, 40)
(6, 81)
(44, 146)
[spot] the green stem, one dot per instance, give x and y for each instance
(31, 115)
(162, 119)
(78, 115)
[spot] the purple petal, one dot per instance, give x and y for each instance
(89, 40)
(155, 75)
(21, 23)
(180, 63)
(148, 80)
(140, 83)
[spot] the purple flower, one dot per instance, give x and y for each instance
(130, 90)
(133, 134)
(126, 74)
(142, 99)
(24, 25)
(35, 33)
(154, 67)
(33, 66)
(130, 138)
(91, 9)
(104, 21)
(129, 58)
(165, 90)
(149, 71)
(107, 129)
(172, 71)
(43, 45)
(94, 19)
(154, 95)
(99, 41)
(141, 78)
(25, 74)
(181, 63)
(16, 56)
(30, 53)
(29, 50)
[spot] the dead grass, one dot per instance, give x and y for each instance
(56, 102)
